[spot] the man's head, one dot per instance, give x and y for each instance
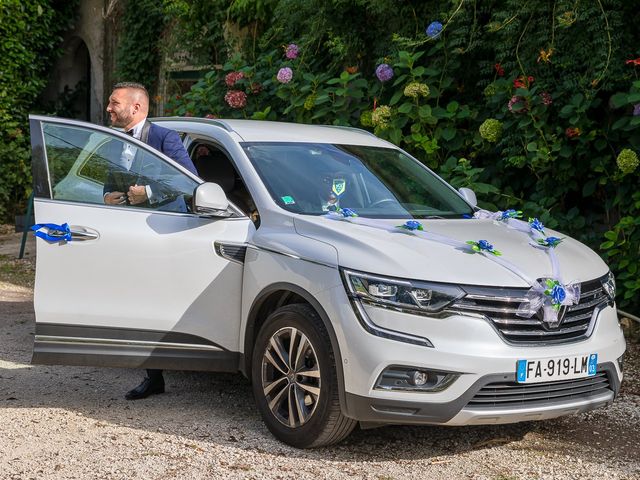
(128, 104)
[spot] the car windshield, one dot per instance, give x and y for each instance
(375, 182)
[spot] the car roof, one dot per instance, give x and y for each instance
(270, 131)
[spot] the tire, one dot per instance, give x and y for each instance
(300, 410)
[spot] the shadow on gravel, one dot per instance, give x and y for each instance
(218, 408)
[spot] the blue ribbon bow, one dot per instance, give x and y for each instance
(51, 228)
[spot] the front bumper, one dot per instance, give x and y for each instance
(461, 411)
(472, 349)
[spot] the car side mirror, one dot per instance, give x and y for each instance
(210, 200)
(469, 195)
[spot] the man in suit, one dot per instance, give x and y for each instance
(128, 108)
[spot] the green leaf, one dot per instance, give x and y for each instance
(448, 133)
(405, 107)
(532, 146)
(619, 100)
(452, 106)
(611, 235)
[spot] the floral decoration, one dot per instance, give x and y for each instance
(556, 292)
(384, 72)
(411, 225)
(347, 212)
(549, 242)
(483, 246)
(285, 74)
(511, 213)
(536, 224)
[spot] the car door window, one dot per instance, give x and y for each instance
(85, 164)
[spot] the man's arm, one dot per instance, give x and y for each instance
(173, 148)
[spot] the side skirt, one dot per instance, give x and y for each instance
(57, 344)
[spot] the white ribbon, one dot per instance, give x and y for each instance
(535, 298)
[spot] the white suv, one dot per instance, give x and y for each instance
(346, 280)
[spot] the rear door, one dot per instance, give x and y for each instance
(124, 285)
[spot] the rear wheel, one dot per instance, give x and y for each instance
(294, 379)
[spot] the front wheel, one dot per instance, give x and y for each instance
(294, 379)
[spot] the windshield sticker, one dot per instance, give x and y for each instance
(339, 186)
(288, 200)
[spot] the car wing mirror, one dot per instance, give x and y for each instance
(210, 200)
(469, 195)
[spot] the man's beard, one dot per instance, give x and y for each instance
(121, 121)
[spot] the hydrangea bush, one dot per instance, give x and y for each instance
(534, 115)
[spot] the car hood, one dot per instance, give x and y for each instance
(404, 255)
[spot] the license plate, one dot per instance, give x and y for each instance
(558, 368)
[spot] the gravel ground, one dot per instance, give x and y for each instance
(73, 423)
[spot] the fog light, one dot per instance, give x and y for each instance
(411, 379)
(418, 378)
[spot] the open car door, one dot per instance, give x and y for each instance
(126, 285)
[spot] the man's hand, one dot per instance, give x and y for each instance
(115, 198)
(137, 194)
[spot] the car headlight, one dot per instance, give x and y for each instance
(609, 286)
(412, 295)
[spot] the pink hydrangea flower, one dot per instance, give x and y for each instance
(291, 51)
(518, 104)
(231, 78)
(285, 74)
(236, 99)
(546, 98)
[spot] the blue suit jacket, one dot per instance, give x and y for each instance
(163, 139)
(168, 142)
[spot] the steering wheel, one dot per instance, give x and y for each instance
(382, 201)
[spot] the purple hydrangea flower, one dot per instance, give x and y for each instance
(434, 29)
(636, 109)
(285, 74)
(292, 51)
(384, 72)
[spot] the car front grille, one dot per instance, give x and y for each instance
(500, 305)
(512, 394)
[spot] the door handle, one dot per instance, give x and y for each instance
(82, 233)
(54, 233)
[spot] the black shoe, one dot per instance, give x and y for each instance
(149, 386)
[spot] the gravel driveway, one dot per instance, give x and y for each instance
(73, 422)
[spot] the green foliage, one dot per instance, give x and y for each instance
(531, 104)
(138, 55)
(29, 36)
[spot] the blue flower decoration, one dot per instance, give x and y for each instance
(434, 29)
(411, 225)
(556, 292)
(483, 246)
(536, 224)
(550, 242)
(511, 213)
(347, 212)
